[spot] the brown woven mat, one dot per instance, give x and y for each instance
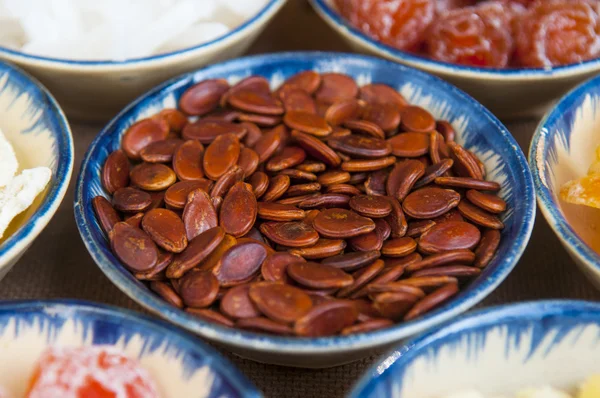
(58, 265)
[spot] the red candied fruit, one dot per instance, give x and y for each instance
(89, 372)
(558, 32)
(501, 12)
(526, 3)
(445, 5)
(398, 23)
(467, 37)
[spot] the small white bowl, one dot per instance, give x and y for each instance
(37, 129)
(180, 365)
(563, 147)
(508, 93)
(97, 90)
(497, 351)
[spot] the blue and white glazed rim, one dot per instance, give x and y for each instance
(516, 316)
(272, 7)
(464, 301)
(540, 151)
(56, 119)
(92, 311)
(433, 66)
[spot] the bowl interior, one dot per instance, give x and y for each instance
(180, 365)
(477, 129)
(37, 129)
(496, 351)
(562, 149)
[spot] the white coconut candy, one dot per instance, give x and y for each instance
(244, 8)
(468, 394)
(117, 29)
(198, 33)
(542, 392)
(20, 193)
(174, 22)
(465, 394)
(11, 32)
(8, 161)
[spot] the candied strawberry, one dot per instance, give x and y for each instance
(398, 23)
(89, 372)
(467, 37)
(558, 32)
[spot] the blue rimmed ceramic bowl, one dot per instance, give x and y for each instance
(508, 93)
(562, 149)
(477, 128)
(496, 351)
(180, 365)
(36, 127)
(97, 90)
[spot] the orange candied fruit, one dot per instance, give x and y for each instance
(468, 36)
(558, 32)
(89, 372)
(585, 190)
(398, 23)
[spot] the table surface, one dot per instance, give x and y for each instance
(58, 265)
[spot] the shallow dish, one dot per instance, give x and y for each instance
(495, 351)
(97, 90)
(562, 149)
(36, 127)
(508, 93)
(180, 365)
(478, 129)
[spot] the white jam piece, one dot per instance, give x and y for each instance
(20, 193)
(542, 392)
(538, 392)
(8, 161)
(470, 394)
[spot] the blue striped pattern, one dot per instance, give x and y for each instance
(103, 325)
(542, 326)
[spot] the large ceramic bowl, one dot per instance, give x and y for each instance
(562, 149)
(181, 365)
(36, 127)
(508, 93)
(97, 90)
(477, 128)
(496, 351)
